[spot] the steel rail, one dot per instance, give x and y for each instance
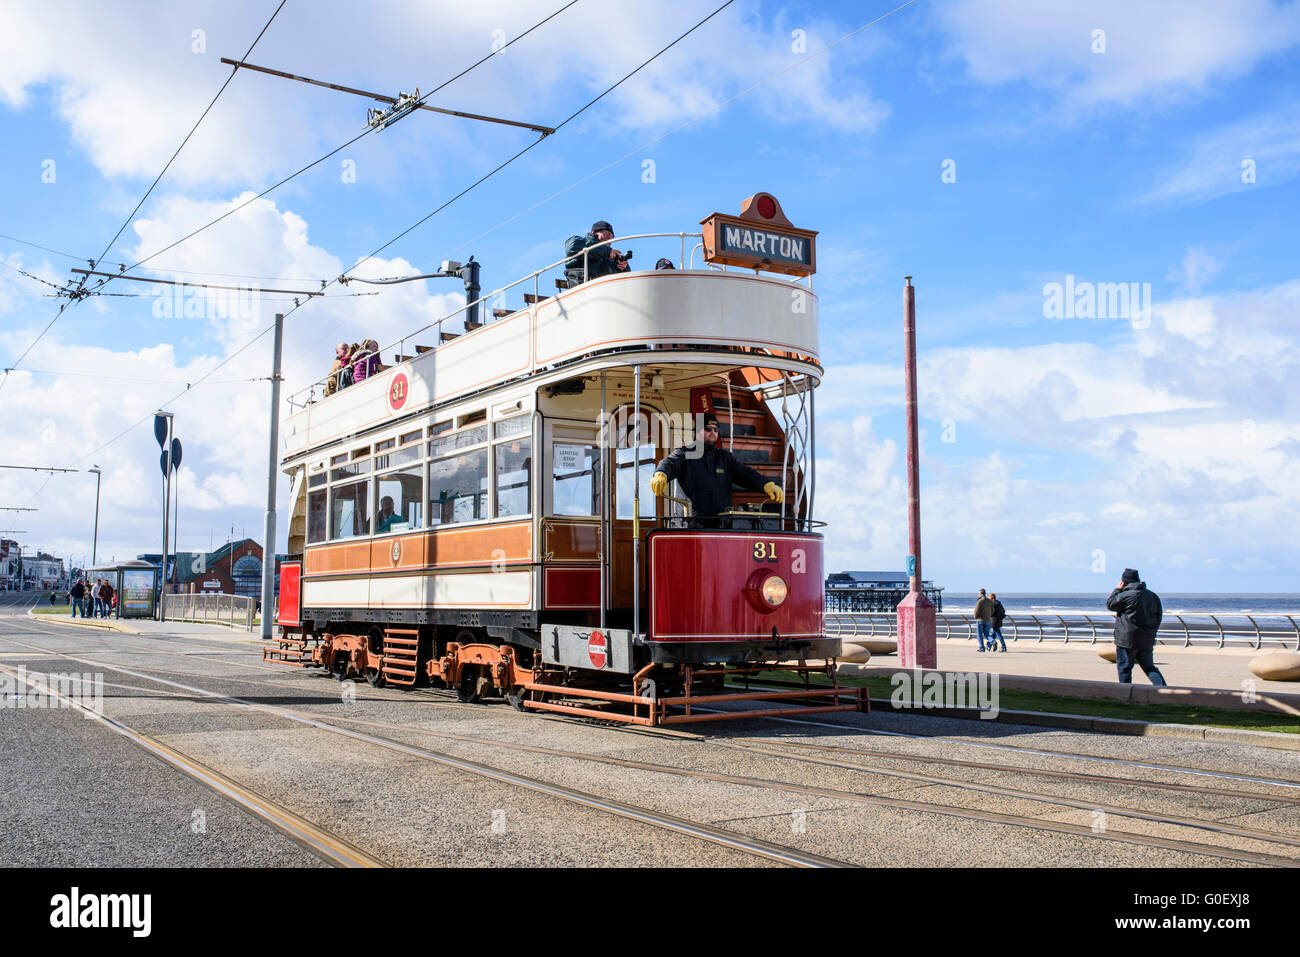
(768, 784)
(328, 847)
(1069, 755)
(669, 822)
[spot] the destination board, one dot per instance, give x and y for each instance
(760, 238)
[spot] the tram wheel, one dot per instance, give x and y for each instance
(375, 677)
(469, 689)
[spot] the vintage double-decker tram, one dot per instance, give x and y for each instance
(478, 515)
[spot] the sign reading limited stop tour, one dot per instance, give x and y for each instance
(760, 238)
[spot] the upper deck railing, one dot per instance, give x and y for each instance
(311, 393)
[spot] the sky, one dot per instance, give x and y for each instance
(1019, 160)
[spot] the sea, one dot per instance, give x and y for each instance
(1238, 603)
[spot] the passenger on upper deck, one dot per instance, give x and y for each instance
(340, 360)
(601, 261)
(707, 477)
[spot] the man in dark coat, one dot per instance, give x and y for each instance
(77, 593)
(1138, 613)
(601, 261)
(707, 477)
(998, 612)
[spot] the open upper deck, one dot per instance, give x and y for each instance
(677, 314)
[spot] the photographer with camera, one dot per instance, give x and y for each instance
(601, 261)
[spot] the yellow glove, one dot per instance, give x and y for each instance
(659, 483)
(771, 488)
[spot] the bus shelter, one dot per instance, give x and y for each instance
(135, 583)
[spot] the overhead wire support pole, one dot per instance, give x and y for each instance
(383, 98)
(272, 466)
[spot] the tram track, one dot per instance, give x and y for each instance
(822, 723)
(835, 793)
(766, 748)
(695, 829)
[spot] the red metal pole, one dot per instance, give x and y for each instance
(916, 626)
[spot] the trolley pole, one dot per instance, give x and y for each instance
(268, 532)
(916, 626)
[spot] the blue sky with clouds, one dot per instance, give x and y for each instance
(1163, 150)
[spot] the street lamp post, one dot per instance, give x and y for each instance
(94, 548)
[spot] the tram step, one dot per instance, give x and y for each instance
(401, 656)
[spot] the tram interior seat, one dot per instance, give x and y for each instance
(421, 350)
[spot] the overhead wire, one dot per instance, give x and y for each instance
(297, 305)
(51, 323)
(424, 219)
(676, 129)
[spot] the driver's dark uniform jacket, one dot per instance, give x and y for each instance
(707, 478)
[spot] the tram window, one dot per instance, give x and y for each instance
(351, 470)
(626, 482)
(361, 453)
(316, 509)
(458, 488)
(471, 418)
(385, 445)
(461, 440)
(575, 488)
(400, 457)
(400, 500)
(349, 514)
(514, 466)
(519, 425)
(339, 458)
(317, 480)
(410, 437)
(440, 428)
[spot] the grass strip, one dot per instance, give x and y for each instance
(1011, 699)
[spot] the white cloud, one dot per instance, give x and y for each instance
(141, 73)
(1197, 268)
(222, 423)
(1153, 49)
(1254, 153)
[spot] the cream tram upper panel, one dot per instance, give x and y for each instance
(683, 307)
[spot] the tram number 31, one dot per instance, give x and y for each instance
(765, 551)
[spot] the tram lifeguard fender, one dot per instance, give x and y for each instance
(1283, 666)
(700, 585)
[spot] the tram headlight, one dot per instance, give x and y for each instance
(774, 590)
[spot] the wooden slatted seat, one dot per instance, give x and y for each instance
(448, 336)
(532, 300)
(421, 350)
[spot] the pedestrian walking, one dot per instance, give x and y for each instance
(1138, 614)
(983, 619)
(999, 613)
(109, 600)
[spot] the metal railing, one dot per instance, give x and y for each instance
(1217, 629)
(219, 609)
(311, 393)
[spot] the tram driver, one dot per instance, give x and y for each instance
(707, 477)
